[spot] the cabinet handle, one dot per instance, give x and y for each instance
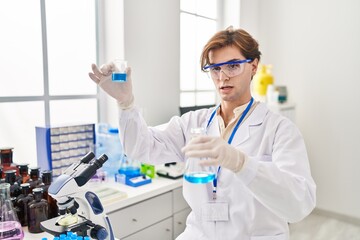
(179, 223)
(134, 220)
(168, 230)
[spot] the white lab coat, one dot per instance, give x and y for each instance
(273, 188)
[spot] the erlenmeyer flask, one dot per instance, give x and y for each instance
(129, 167)
(10, 227)
(194, 172)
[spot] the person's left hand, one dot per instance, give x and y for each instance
(216, 151)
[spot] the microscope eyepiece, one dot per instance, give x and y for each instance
(87, 158)
(89, 171)
(101, 160)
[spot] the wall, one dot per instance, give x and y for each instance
(147, 35)
(314, 48)
(152, 48)
(111, 46)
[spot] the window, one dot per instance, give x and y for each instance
(198, 22)
(45, 57)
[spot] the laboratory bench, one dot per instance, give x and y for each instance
(152, 211)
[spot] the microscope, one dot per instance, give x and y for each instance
(80, 210)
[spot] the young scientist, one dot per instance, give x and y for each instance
(263, 180)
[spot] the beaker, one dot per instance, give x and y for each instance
(119, 74)
(10, 227)
(194, 172)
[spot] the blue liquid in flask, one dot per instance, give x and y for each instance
(199, 177)
(119, 77)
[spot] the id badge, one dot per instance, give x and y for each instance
(215, 211)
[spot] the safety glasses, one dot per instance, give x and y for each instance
(231, 68)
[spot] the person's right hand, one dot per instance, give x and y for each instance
(122, 92)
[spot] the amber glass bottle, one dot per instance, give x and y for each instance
(24, 172)
(38, 211)
(46, 177)
(6, 156)
(22, 203)
(10, 177)
(35, 177)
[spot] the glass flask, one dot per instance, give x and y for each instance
(194, 172)
(129, 167)
(10, 227)
(119, 75)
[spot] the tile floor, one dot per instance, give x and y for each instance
(318, 227)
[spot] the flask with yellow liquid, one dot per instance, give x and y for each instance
(262, 79)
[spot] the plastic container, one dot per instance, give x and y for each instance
(262, 79)
(194, 172)
(112, 147)
(100, 138)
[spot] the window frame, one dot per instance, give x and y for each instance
(46, 97)
(197, 91)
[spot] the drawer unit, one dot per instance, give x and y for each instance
(159, 231)
(179, 202)
(179, 221)
(134, 218)
(59, 147)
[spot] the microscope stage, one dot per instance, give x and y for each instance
(51, 226)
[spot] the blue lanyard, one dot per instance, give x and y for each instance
(230, 138)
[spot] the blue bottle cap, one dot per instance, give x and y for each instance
(113, 130)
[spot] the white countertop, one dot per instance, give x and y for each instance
(158, 186)
(132, 195)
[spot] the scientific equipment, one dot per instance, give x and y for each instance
(38, 211)
(60, 146)
(10, 177)
(80, 210)
(171, 170)
(119, 74)
(35, 177)
(283, 95)
(109, 142)
(129, 174)
(22, 202)
(6, 156)
(46, 177)
(262, 79)
(24, 172)
(194, 172)
(272, 95)
(147, 169)
(10, 227)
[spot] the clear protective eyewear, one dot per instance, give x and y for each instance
(231, 68)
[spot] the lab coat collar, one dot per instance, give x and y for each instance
(243, 133)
